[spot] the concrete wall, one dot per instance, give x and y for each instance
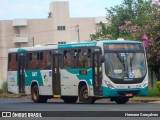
(44, 31)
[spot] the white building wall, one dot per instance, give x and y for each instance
(43, 31)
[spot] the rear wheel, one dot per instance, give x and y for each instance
(84, 98)
(121, 100)
(70, 99)
(36, 97)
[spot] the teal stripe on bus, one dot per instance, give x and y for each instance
(74, 45)
(31, 75)
(109, 92)
(88, 77)
(121, 41)
(20, 50)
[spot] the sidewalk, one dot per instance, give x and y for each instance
(139, 99)
(134, 99)
(146, 99)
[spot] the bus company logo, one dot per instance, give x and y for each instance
(45, 78)
(6, 114)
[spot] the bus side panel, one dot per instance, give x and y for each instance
(43, 79)
(27, 90)
(13, 82)
(46, 89)
(69, 83)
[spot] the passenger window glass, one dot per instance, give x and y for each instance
(33, 62)
(45, 60)
(13, 62)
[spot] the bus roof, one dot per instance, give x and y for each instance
(35, 48)
(121, 41)
(72, 45)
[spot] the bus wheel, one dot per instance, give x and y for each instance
(121, 100)
(84, 96)
(36, 97)
(70, 99)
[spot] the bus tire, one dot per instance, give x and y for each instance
(121, 100)
(36, 98)
(70, 99)
(84, 98)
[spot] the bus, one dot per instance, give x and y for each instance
(84, 71)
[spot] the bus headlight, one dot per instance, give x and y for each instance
(109, 84)
(145, 84)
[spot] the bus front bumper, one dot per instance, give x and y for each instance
(112, 92)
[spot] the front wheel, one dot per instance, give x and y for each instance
(84, 96)
(36, 97)
(121, 100)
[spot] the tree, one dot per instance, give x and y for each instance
(137, 20)
(102, 33)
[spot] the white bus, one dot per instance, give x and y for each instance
(115, 69)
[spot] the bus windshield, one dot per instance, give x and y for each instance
(125, 64)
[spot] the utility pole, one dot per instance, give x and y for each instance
(77, 30)
(33, 41)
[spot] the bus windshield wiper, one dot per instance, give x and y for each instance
(120, 59)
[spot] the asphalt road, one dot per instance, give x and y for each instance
(22, 104)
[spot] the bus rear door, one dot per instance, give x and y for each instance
(57, 61)
(21, 72)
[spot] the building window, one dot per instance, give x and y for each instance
(61, 28)
(63, 42)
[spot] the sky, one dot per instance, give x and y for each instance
(32, 9)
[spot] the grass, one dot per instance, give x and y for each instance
(6, 95)
(153, 92)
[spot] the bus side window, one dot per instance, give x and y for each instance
(80, 59)
(33, 62)
(13, 62)
(67, 59)
(84, 56)
(70, 58)
(45, 60)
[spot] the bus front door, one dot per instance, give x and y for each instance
(57, 60)
(97, 74)
(21, 72)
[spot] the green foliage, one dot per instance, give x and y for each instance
(4, 88)
(132, 20)
(153, 92)
(135, 11)
(134, 16)
(1, 91)
(102, 33)
(158, 85)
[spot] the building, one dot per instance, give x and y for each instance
(57, 28)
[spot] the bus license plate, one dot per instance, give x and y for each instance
(129, 94)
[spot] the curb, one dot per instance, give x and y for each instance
(139, 100)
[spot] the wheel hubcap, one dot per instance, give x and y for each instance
(35, 95)
(85, 94)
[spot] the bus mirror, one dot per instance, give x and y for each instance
(102, 59)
